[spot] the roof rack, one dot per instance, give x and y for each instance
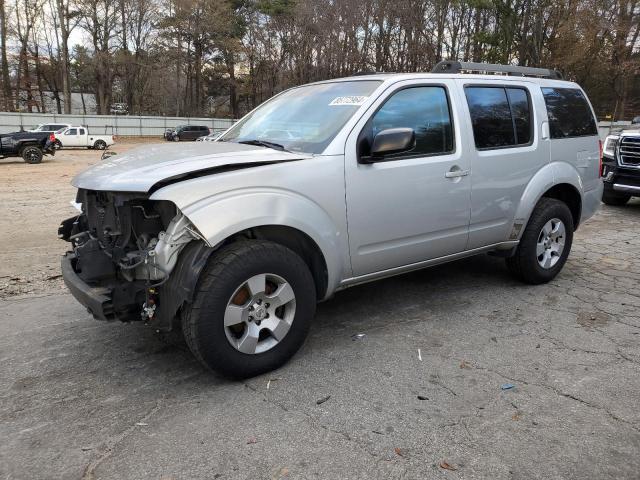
(367, 72)
(449, 66)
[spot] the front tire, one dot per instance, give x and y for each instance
(252, 310)
(545, 243)
(32, 154)
(615, 199)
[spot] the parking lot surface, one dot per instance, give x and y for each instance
(457, 371)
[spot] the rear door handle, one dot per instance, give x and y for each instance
(456, 172)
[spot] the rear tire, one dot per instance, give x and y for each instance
(32, 154)
(615, 199)
(227, 285)
(100, 145)
(540, 256)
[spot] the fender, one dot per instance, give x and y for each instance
(221, 215)
(552, 174)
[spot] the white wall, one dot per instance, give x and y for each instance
(109, 124)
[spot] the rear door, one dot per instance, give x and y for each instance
(194, 132)
(506, 151)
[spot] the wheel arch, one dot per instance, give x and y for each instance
(570, 196)
(296, 240)
(558, 180)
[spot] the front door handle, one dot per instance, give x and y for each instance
(456, 172)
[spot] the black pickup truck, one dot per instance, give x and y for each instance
(31, 146)
(621, 165)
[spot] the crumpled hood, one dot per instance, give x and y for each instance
(141, 168)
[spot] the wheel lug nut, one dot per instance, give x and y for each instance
(266, 305)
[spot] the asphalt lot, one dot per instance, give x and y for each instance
(419, 396)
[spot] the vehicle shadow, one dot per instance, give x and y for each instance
(357, 309)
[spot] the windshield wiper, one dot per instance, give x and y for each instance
(264, 143)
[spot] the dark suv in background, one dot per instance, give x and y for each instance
(189, 132)
(621, 165)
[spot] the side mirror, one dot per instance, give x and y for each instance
(393, 140)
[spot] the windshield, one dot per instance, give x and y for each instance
(303, 119)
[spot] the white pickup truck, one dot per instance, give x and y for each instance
(80, 137)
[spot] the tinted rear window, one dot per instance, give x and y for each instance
(501, 117)
(569, 113)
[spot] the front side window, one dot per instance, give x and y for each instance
(500, 116)
(569, 113)
(423, 109)
(82, 131)
(303, 119)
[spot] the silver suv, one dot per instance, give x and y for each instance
(330, 185)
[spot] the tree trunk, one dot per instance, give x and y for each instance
(6, 83)
(63, 15)
(233, 94)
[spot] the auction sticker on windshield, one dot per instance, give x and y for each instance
(349, 100)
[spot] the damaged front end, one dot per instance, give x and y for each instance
(132, 258)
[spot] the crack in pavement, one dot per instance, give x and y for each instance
(112, 443)
(563, 394)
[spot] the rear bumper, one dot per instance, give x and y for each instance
(49, 148)
(591, 202)
(97, 299)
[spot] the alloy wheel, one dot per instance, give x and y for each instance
(259, 314)
(551, 243)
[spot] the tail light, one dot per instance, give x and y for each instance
(600, 160)
(52, 137)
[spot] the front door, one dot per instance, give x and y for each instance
(71, 138)
(410, 206)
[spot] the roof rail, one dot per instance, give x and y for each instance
(451, 66)
(367, 72)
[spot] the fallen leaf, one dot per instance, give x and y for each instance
(446, 466)
(252, 440)
(465, 364)
(322, 400)
(399, 452)
(422, 397)
(516, 416)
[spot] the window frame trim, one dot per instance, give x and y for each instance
(371, 159)
(587, 104)
(532, 129)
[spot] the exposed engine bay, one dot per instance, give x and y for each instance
(125, 247)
